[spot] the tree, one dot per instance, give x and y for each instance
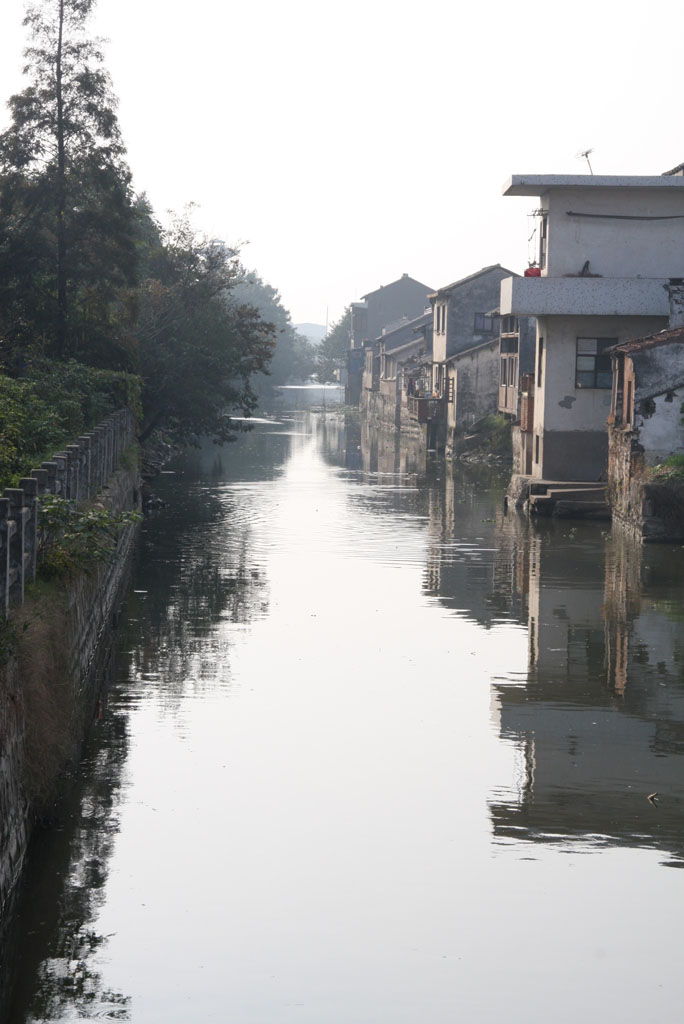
(199, 345)
(332, 352)
(293, 357)
(67, 249)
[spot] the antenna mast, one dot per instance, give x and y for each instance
(585, 155)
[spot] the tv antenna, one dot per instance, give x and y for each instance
(585, 154)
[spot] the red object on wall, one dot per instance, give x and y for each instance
(533, 272)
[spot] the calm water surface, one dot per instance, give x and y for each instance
(375, 754)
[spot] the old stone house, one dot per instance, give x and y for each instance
(382, 379)
(464, 380)
(517, 339)
(403, 299)
(471, 386)
(646, 426)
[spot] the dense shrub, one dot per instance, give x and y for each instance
(51, 406)
(74, 539)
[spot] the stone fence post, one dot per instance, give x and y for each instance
(29, 487)
(60, 475)
(6, 527)
(19, 514)
(85, 441)
(77, 473)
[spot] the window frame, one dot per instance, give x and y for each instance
(596, 364)
(485, 323)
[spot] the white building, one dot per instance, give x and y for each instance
(607, 247)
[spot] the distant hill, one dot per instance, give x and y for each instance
(312, 332)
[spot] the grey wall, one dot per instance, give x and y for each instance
(477, 296)
(404, 297)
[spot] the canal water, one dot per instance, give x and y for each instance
(375, 752)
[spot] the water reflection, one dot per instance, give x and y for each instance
(471, 555)
(599, 721)
(55, 939)
(359, 713)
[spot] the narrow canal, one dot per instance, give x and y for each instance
(375, 754)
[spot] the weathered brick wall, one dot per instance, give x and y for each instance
(647, 510)
(380, 407)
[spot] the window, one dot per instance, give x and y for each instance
(593, 366)
(440, 318)
(509, 325)
(540, 357)
(485, 323)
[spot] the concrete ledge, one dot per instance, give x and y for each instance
(583, 296)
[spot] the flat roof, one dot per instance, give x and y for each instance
(538, 184)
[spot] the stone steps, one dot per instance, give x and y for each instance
(569, 500)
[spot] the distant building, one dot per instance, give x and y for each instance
(403, 299)
(464, 354)
(382, 373)
(607, 245)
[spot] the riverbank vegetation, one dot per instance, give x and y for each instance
(333, 350)
(488, 439)
(670, 469)
(99, 302)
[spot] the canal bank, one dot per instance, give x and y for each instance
(370, 743)
(58, 639)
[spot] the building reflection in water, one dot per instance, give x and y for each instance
(387, 453)
(599, 721)
(467, 571)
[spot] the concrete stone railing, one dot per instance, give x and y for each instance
(77, 473)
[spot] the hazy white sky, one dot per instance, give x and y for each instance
(350, 143)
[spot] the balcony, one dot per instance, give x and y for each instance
(424, 410)
(583, 296)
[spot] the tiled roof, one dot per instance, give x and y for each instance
(471, 277)
(651, 341)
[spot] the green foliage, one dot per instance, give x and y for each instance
(332, 352)
(67, 240)
(493, 436)
(671, 468)
(52, 406)
(11, 632)
(74, 539)
(27, 427)
(87, 276)
(293, 359)
(199, 344)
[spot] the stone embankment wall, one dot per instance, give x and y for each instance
(60, 642)
(647, 510)
(379, 408)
